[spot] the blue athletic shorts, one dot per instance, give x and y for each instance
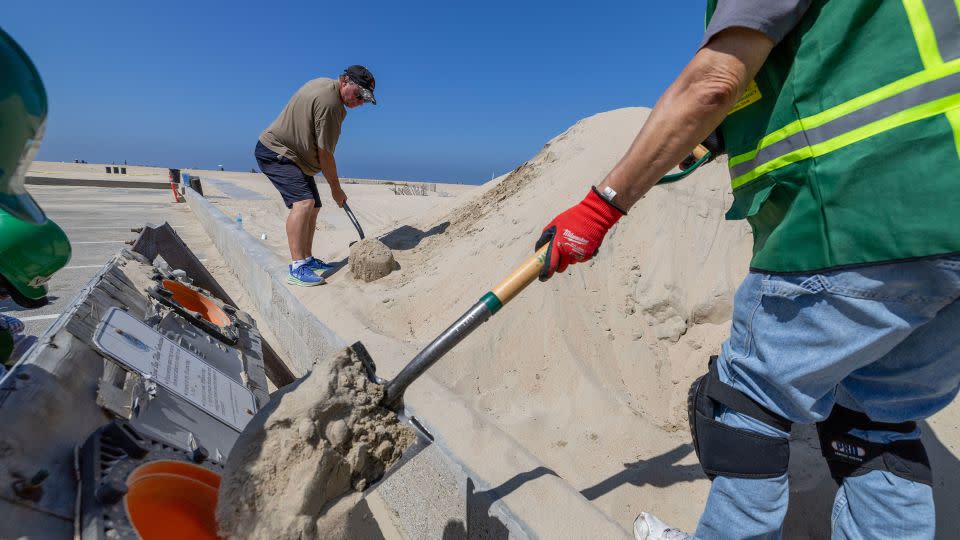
(287, 177)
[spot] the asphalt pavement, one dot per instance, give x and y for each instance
(98, 222)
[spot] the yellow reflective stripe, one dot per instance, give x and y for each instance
(929, 52)
(923, 33)
(847, 107)
(913, 114)
(954, 118)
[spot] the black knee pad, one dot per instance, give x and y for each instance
(847, 455)
(728, 451)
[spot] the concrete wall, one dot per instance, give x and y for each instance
(301, 337)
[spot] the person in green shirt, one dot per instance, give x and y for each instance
(842, 123)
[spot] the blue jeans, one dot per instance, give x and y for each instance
(882, 340)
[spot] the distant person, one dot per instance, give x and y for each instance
(299, 144)
(842, 123)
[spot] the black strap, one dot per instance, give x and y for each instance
(844, 419)
(852, 456)
(734, 399)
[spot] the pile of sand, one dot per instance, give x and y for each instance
(636, 324)
(370, 260)
(315, 442)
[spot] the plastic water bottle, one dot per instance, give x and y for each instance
(239, 220)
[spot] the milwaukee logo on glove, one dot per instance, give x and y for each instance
(574, 244)
(583, 226)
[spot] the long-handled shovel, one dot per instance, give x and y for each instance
(353, 219)
(488, 305)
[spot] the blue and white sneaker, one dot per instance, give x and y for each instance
(319, 266)
(303, 276)
(11, 324)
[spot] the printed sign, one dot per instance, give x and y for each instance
(153, 355)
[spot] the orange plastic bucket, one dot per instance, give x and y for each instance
(194, 301)
(172, 499)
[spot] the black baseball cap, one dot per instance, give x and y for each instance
(362, 77)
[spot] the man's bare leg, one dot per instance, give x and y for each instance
(311, 231)
(298, 221)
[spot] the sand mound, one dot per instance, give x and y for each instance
(371, 259)
(316, 440)
(636, 324)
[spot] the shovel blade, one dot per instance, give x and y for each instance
(424, 437)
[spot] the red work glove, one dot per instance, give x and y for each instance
(575, 235)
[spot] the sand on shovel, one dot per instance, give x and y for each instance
(294, 470)
(371, 259)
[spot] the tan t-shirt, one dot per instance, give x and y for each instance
(310, 121)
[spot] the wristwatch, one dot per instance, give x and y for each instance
(608, 194)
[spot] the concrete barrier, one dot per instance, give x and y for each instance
(302, 338)
(95, 182)
(474, 481)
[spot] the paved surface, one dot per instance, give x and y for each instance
(98, 222)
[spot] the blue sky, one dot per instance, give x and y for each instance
(466, 89)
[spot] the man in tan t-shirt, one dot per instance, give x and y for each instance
(299, 144)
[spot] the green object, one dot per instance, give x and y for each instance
(845, 149)
(29, 256)
(32, 247)
(492, 302)
(23, 114)
(686, 172)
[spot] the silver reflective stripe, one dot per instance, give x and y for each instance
(946, 27)
(917, 95)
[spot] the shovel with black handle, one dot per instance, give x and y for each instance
(353, 219)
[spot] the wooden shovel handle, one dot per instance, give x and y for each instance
(522, 276)
(699, 151)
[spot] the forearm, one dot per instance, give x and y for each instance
(328, 166)
(691, 108)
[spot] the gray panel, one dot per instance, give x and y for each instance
(946, 27)
(173, 420)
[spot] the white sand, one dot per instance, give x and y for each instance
(589, 371)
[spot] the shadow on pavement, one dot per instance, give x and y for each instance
(659, 471)
(480, 524)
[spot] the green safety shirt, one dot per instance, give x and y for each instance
(845, 149)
